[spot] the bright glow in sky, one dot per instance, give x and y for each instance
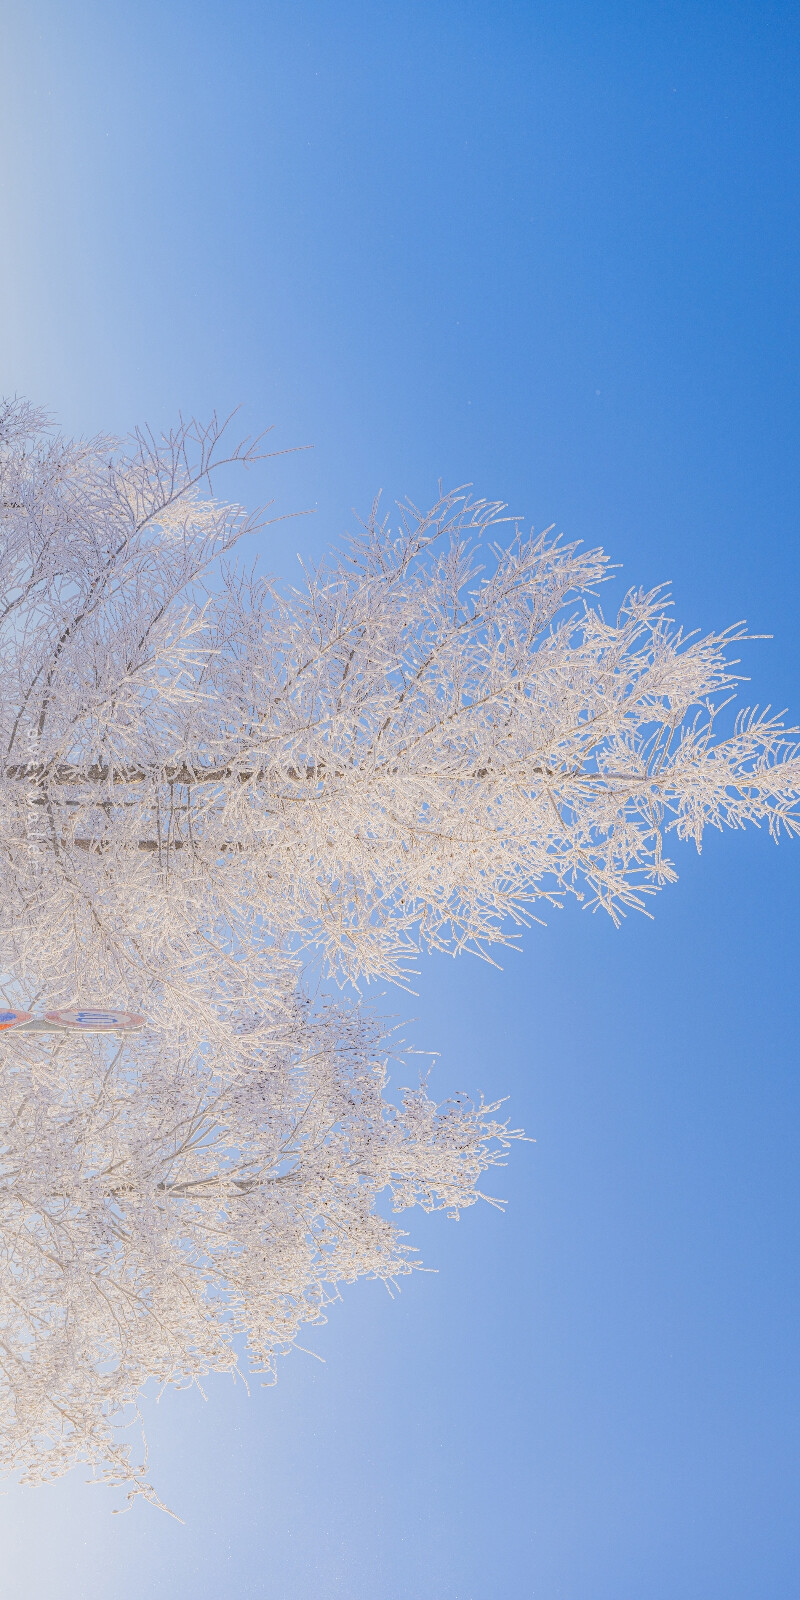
(550, 249)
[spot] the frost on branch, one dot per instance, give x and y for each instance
(429, 736)
(159, 1212)
(204, 777)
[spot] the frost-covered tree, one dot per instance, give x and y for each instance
(158, 1212)
(432, 734)
(206, 779)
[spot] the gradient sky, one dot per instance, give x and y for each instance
(551, 249)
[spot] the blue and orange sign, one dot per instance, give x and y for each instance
(91, 1020)
(14, 1019)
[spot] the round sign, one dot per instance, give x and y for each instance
(96, 1021)
(14, 1019)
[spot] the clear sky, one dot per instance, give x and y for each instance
(550, 248)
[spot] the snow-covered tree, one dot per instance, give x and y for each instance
(206, 779)
(429, 736)
(159, 1212)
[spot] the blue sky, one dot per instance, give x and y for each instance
(550, 249)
